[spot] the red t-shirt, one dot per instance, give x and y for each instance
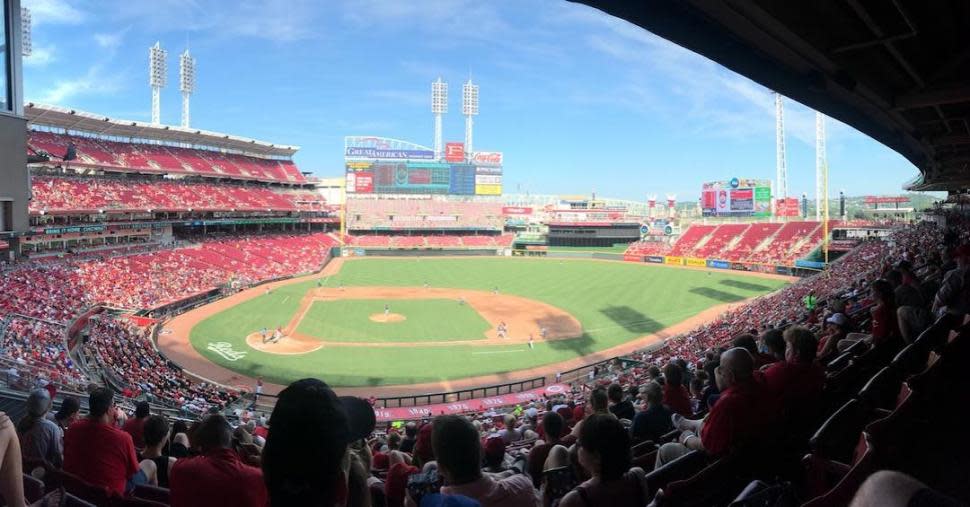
(796, 387)
(736, 418)
(217, 478)
(678, 400)
(884, 324)
(136, 428)
(100, 454)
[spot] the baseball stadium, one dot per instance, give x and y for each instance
(165, 285)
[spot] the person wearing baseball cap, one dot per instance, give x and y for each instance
(306, 459)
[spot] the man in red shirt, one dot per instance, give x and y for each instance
(136, 425)
(736, 418)
(218, 476)
(98, 452)
(796, 383)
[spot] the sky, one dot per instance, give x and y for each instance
(577, 100)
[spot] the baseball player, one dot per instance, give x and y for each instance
(387, 310)
(532, 345)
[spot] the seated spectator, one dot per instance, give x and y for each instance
(885, 325)
(217, 476)
(619, 407)
(774, 344)
(654, 422)
(396, 481)
(410, 437)
(41, 439)
(836, 329)
(553, 427)
(797, 382)
(736, 419)
(100, 453)
(598, 404)
(604, 452)
(494, 455)
(458, 451)
(749, 343)
(67, 414)
(156, 465)
(134, 426)
(948, 297)
(305, 459)
(510, 433)
(675, 394)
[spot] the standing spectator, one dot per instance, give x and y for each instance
(136, 425)
(459, 452)
(604, 452)
(217, 476)
(621, 408)
(675, 393)
(41, 438)
(654, 422)
(307, 448)
(97, 451)
(156, 465)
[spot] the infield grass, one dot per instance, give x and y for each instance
(348, 320)
(614, 301)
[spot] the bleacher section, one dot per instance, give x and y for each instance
(421, 214)
(765, 243)
(153, 158)
(62, 195)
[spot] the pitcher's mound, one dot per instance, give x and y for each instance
(391, 317)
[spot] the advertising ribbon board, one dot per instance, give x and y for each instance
(696, 262)
(678, 261)
(714, 263)
(656, 259)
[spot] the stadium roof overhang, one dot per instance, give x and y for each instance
(71, 119)
(897, 71)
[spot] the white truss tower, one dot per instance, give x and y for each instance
(781, 167)
(26, 45)
(821, 165)
(157, 78)
(469, 107)
(186, 84)
(439, 106)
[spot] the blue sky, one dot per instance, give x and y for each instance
(578, 101)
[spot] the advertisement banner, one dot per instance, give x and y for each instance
(384, 153)
(737, 266)
(742, 200)
(632, 258)
(419, 176)
(488, 179)
(809, 264)
(696, 262)
(714, 263)
(678, 261)
(356, 165)
(455, 152)
(783, 270)
(723, 204)
(351, 182)
(656, 259)
(493, 158)
(786, 207)
(385, 415)
(364, 183)
(488, 170)
(488, 189)
(516, 210)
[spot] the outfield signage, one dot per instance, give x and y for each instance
(516, 210)
(389, 154)
(493, 158)
(385, 415)
(809, 264)
(714, 263)
(656, 259)
(679, 261)
(696, 262)
(73, 229)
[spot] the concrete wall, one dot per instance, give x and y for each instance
(14, 186)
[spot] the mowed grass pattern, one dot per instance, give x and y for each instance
(614, 301)
(348, 320)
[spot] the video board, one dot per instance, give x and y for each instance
(736, 197)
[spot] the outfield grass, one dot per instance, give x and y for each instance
(348, 320)
(614, 301)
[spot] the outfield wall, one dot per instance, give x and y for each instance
(421, 252)
(801, 268)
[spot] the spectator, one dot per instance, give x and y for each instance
(458, 450)
(797, 382)
(553, 427)
(948, 297)
(675, 394)
(67, 414)
(748, 342)
(774, 344)
(736, 418)
(598, 403)
(604, 452)
(510, 433)
(494, 455)
(156, 465)
(97, 451)
(217, 476)
(885, 328)
(41, 439)
(410, 437)
(619, 407)
(11, 464)
(306, 451)
(135, 425)
(654, 422)
(836, 329)
(395, 484)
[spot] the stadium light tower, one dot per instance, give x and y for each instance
(186, 83)
(26, 45)
(157, 78)
(439, 106)
(781, 168)
(469, 108)
(821, 165)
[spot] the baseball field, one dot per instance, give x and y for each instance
(402, 321)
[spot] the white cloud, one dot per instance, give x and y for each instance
(110, 41)
(93, 82)
(53, 12)
(40, 56)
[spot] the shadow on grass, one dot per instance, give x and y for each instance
(738, 284)
(717, 295)
(580, 346)
(631, 319)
